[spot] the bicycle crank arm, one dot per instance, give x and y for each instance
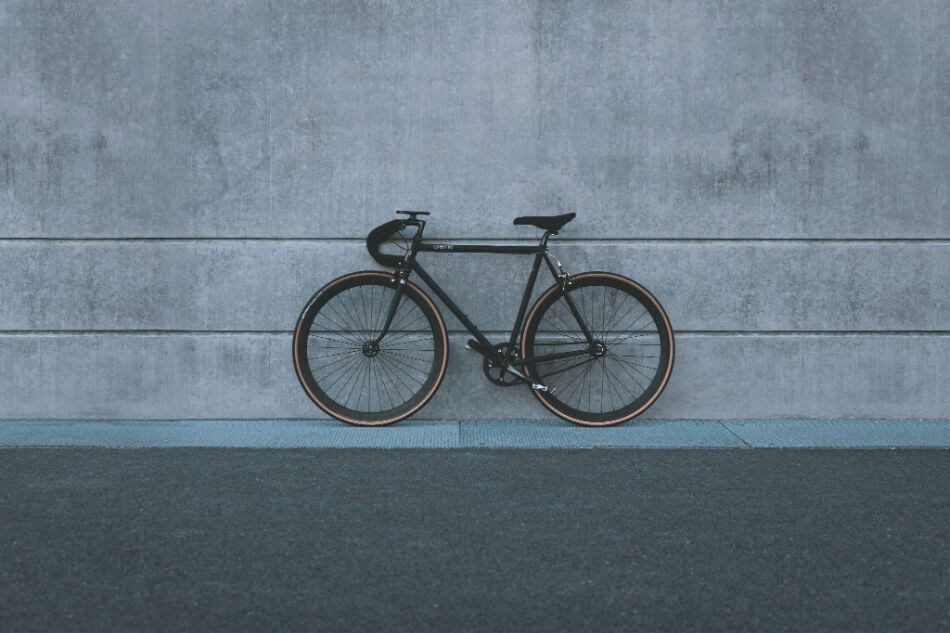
(537, 386)
(475, 346)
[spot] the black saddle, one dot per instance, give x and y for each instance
(546, 222)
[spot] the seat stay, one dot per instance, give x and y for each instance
(580, 319)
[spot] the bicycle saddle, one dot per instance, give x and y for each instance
(546, 222)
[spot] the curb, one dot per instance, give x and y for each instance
(475, 434)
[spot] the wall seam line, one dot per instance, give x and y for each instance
(526, 241)
(721, 333)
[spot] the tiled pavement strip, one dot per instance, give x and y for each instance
(477, 434)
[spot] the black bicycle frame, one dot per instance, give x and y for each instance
(540, 253)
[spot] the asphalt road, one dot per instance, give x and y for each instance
(477, 540)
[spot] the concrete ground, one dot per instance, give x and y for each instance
(474, 540)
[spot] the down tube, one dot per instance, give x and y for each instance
(461, 316)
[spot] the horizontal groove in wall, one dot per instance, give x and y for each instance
(517, 240)
(464, 332)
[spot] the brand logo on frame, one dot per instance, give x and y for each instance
(443, 247)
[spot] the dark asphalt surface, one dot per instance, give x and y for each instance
(480, 540)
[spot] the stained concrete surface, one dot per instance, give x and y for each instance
(722, 286)
(809, 141)
(293, 118)
(169, 376)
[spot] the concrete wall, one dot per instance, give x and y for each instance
(177, 178)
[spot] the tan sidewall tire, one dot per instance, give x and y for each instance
(666, 324)
(410, 287)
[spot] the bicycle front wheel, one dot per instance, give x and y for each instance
(347, 374)
(625, 371)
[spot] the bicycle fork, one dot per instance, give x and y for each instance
(400, 280)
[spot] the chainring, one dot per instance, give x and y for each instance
(496, 375)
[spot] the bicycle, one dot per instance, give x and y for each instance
(370, 348)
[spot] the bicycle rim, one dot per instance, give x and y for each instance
(341, 371)
(605, 388)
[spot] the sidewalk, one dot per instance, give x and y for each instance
(477, 434)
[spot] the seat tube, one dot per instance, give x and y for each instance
(524, 304)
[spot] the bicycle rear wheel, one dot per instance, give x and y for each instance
(627, 370)
(348, 376)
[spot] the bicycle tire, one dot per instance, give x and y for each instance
(338, 334)
(596, 296)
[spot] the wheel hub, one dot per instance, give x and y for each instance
(370, 349)
(599, 348)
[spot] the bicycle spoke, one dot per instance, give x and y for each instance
(549, 344)
(363, 304)
(602, 371)
(350, 351)
(406, 359)
(610, 382)
(342, 328)
(401, 372)
(382, 380)
(350, 300)
(359, 373)
(328, 338)
(340, 360)
(344, 374)
(580, 384)
(634, 378)
(396, 376)
(614, 320)
(341, 309)
(635, 368)
(629, 310)
(650, 367)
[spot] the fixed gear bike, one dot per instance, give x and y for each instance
(371, 348)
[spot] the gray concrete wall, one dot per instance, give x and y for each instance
(177, 178)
